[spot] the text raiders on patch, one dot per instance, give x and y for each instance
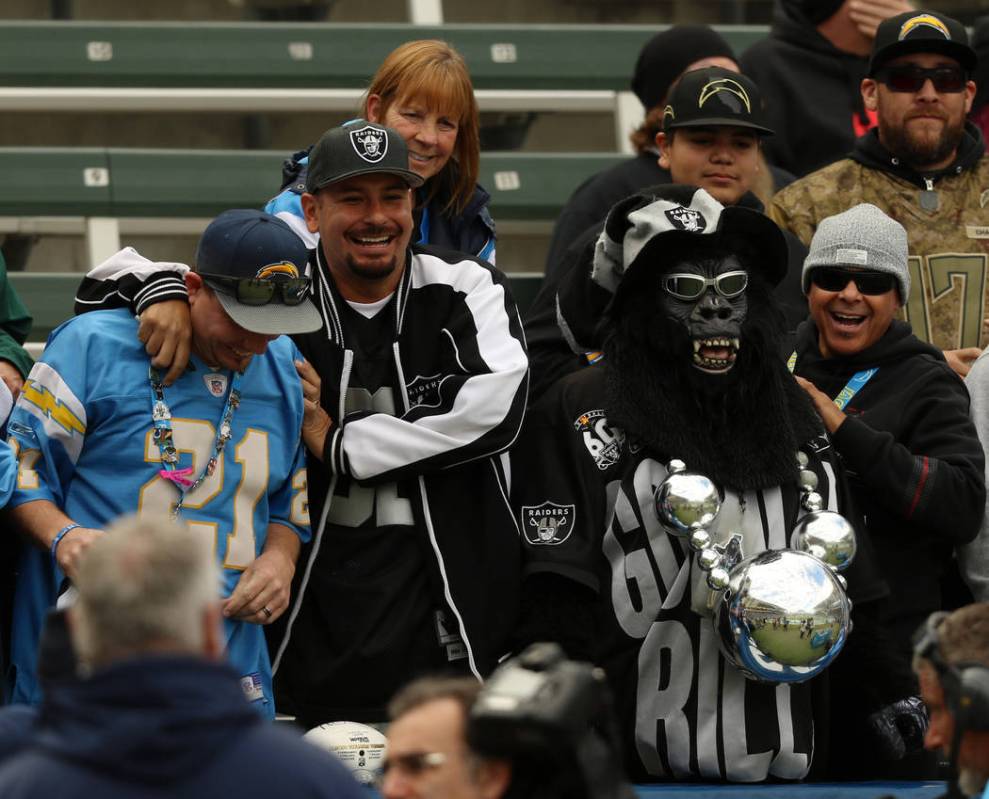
(425, 391)
(547, 524)
(371, 144)
(686, 219)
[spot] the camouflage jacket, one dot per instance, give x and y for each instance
(949, 238)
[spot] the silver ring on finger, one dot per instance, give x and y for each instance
(267, 612)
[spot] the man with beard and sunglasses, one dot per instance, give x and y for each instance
(898, 417)
(926, 167)
(691, 332)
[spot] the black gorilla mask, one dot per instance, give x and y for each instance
(714, 319)
(737, 415)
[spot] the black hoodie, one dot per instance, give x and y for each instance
(913, 460)
(869, 152)
(811, 92)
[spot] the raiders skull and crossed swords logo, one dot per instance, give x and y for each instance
(547, 524)
(686, 219)
(369, 143)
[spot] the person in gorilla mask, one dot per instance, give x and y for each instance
(677, 291)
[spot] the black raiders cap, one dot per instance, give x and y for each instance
(715, 96)
(921, 32)
(358, 147)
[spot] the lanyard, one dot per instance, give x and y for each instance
(852, 387)
(162, 416)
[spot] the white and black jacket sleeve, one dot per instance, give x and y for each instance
(129, 280)
(464, 378)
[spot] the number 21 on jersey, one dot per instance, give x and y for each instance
(196, 437)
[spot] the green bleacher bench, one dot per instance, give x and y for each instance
(49, 296)
(201, 183)
(254, 55)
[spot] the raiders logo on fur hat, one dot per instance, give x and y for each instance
(676, 210)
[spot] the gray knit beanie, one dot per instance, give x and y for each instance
(862, 237)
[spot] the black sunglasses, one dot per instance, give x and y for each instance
(833, 279)
(258, 291)
(685, 286)
(910, 78)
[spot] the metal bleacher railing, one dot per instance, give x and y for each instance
(110, 67)
(117, 67)
(99, 191)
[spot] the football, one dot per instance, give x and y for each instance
(359, 747)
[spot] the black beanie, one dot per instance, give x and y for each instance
(666, 55)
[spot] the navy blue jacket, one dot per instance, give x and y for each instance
(165, 726)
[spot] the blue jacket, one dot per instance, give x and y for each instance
(167, 726)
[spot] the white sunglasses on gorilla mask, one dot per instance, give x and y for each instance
(690, 287)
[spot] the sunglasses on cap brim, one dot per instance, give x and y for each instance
(910, 78)
(261, 291)
(688, 287)
(835, 279)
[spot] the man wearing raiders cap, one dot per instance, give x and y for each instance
(925, 167)
(414, 387)
(417, 384)
(98, 434)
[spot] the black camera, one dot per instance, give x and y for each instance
(553, 719)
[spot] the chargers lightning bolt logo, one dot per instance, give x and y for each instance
(53, 408)
(925, 21)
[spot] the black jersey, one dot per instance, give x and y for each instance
(374, 563)
(584, 496)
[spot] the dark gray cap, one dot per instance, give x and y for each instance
(358, 147)
(921, 32)
(247, 244)
(715, 96)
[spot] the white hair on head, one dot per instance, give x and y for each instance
(144, 587)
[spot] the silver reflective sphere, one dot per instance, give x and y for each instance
(812, 501)
(784, 617)
(699, 539)
(718, 579)
(808, 479)
(686, 500)
(826, 535)
(707, 559)
(676, 466)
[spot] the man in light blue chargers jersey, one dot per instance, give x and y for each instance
(99, 434)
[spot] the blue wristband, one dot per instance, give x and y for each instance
(60, 535)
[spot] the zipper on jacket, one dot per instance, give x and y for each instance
(296, 606)
(929, 199)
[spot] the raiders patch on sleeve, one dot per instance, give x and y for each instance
(547, 524)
